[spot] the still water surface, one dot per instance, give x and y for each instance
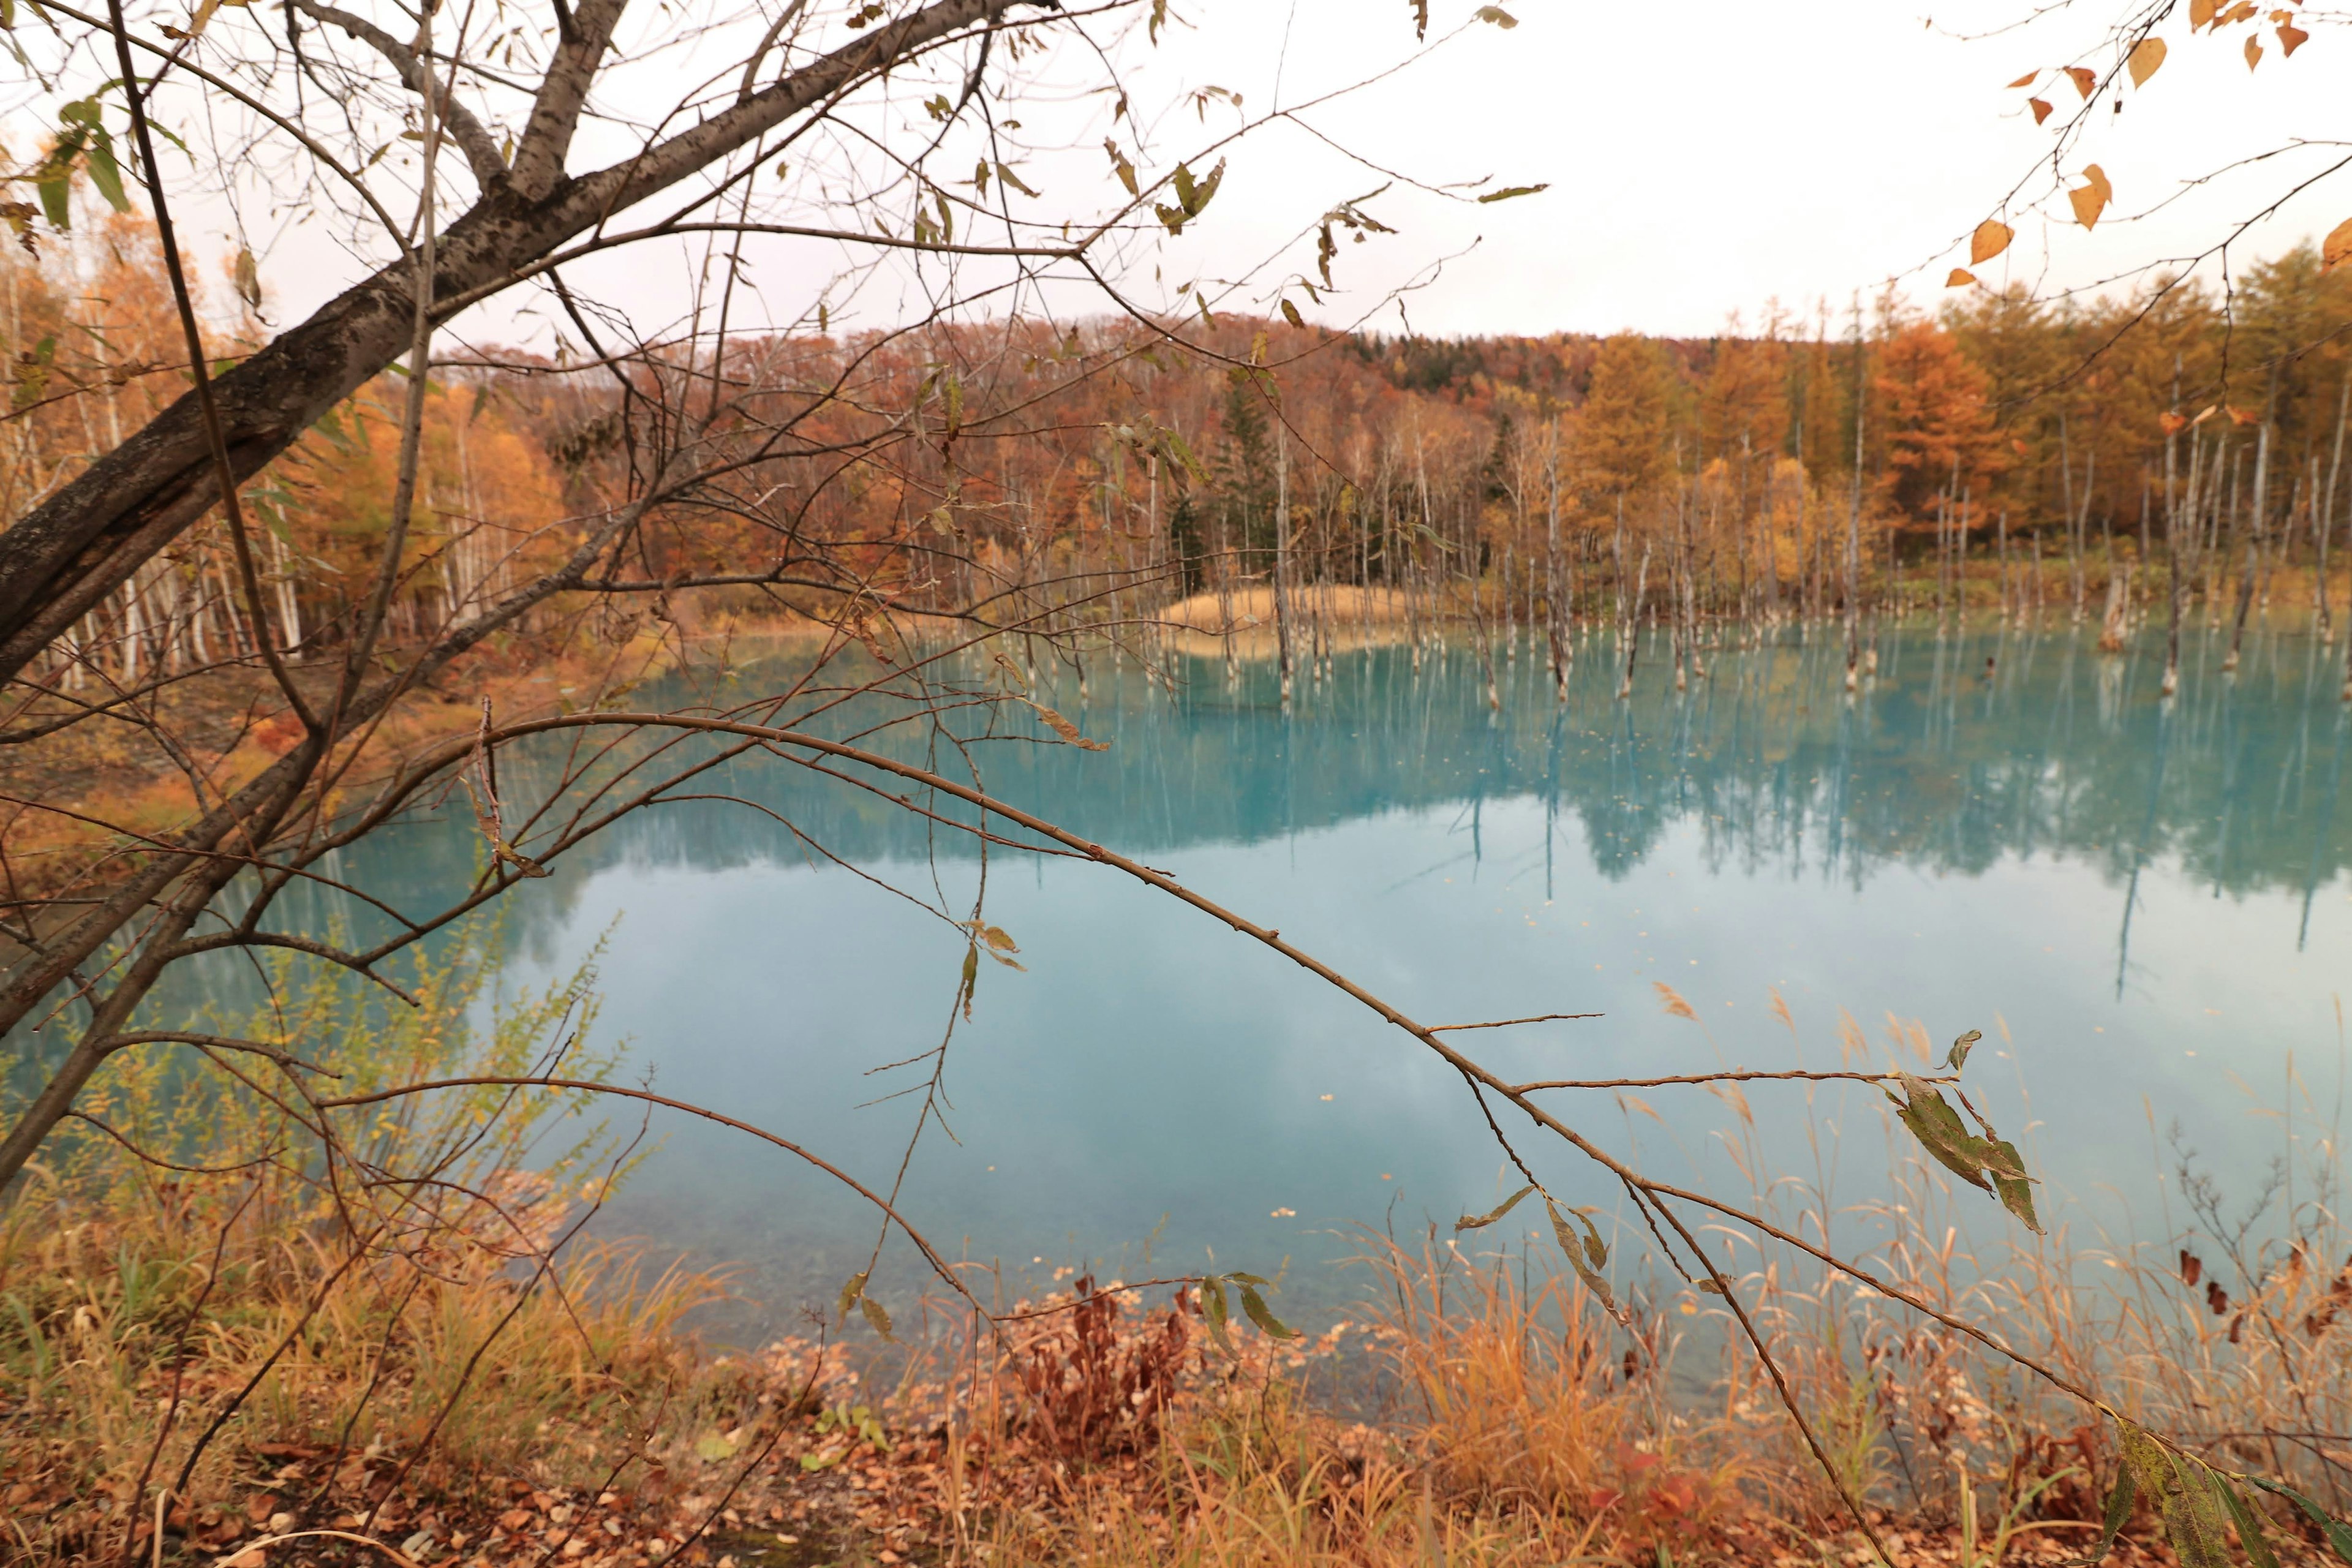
(2146, 905)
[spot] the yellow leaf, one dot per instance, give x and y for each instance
(1991, 238)
(2040, 107)
(2337, 248)
(1960, 275)
(2025, 80)
(2092, 199)
(2087, 82)
(2254, 52)
(1290, 314)
(2290, 37)
(2146, 60)
(2202, 12)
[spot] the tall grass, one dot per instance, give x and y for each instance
(208, 1275)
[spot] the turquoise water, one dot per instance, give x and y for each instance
(2146, 906)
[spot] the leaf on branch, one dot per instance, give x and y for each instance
(2087, 80)
(2040, 107)
(1214, 1311)
(2174, 424)
(1960, 276)
(1990, 238)
(1065, 730)
(2025, 80)
(1119, 161)
(1497, 15)
(1420, 18)
(2336, 246)
(1290, 314)
(1586, 1256)
(2339, 1536)
(1987, 1163)
(1275, 1328)
(2090, 200)
(247, 275)
(2120, 1512)
(1958, 1056)
(1508, 191)
(1480, 1222)
(1005, 176)
(852, 1292)
(875, 1318)
(2203, 12)
(2146, 60)
(2248, 1524)
(2254, 52)
(2290, 37)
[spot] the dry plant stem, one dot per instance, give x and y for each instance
(1508, 1023)
(199, 374)
(939, 1264)
(1741, 1074)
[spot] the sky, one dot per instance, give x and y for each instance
(1712, 157)
(1703, 165)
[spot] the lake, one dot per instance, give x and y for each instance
(2143, 904)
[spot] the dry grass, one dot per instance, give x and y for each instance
(395, 1342)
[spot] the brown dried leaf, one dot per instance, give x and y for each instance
(2290, 37)
(2202, 12)
(2025, 80)
(2254, 52)
(1991, 238)
(2336, 246)
(1960, 276)
(2040, 107)
(2087, 82)
(2146, 60)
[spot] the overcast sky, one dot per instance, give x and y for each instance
(1711, 157)
(1701, 160)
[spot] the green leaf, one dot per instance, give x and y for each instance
(1576, 1249)
(1290, 314)
(2193, 1517)
(2248, 1526)
(2016, 1189)
(875, 1318)
(57, 200)
(2120, 1512)
(103, 174)
(1958, 1056)
(2338, 1535)
(714, 1448)
(1941, 1132)
(1479, 1222)
(1254, 1305)
(1508, 191)
(851, 1293)
(1213, 1311)
(970, 977)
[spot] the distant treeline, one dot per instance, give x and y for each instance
(1995, 451)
